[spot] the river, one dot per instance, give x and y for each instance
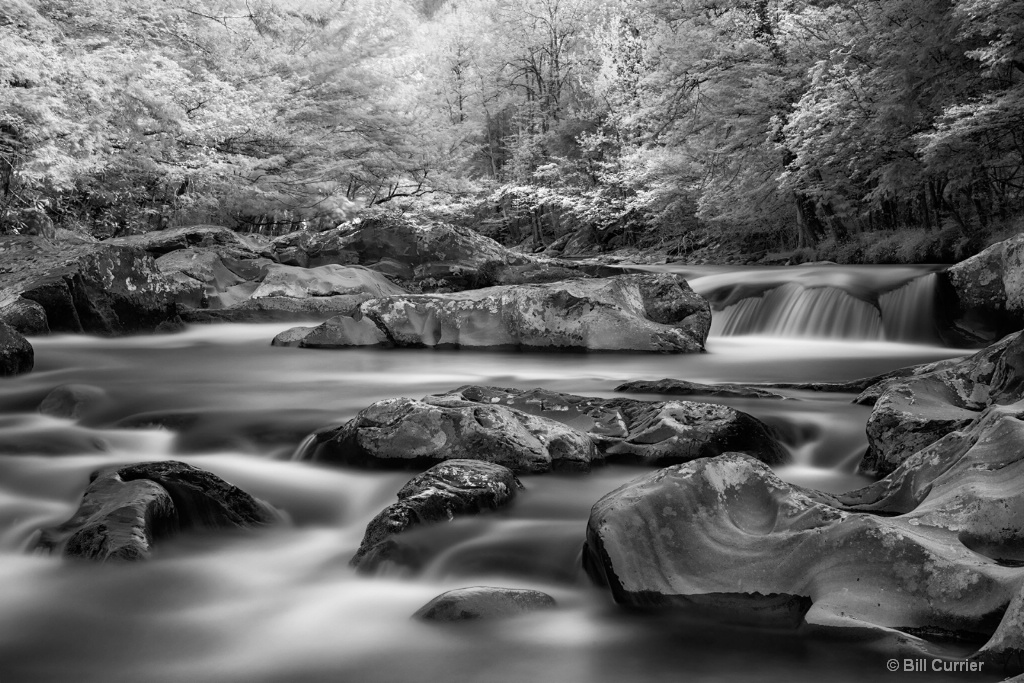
(283, 605)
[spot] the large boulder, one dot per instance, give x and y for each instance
(403, 432)
(648, 432)
(126, 509)
(538, 430)
(16, 354)
(989, 289)
(725, 537)
(329, 280)
(225, 242)
(448, 490)
(915, 410)
(483, 602)
(95, 288)
(639, 312)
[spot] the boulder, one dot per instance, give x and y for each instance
(483, 602)
(641, 312)
(403, 432)
(94, 288)
(278, 309)
(354, 330)
(126, 509)
(16, 355)
(680, 387)
(199, 264)
(538, 430)
(329, 280)
(913, 411)
(448, 490)
(648, 432)
(725, 537)
(989, 289)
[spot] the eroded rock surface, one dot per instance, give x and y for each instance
(914, 411)
(483, 602)
(450, 489)
(643, 312)
(127, 509)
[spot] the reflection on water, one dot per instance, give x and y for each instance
(283, 605)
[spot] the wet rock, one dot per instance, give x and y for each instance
(353, 330)
(644, 312)
(483, 602)
(403, 432)
(648, 432)
(16, 355)
(989, 289)
(278, 309)
(726, 533)
(914, 411)
(94, 288)
(126, 509)
(683, 388)
(73, 401)
(450, 489)
(330, 280)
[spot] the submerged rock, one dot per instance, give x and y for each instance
(915, 411)
(727, 534)
(645, 312)
(126, 509)
(405, 432)
(683, 388)
(483, 602)
(16, 355)
(445, 491)
(73, 401)
(95, 288)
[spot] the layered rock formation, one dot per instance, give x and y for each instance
(644, 312)
(127, 509)
(451, 489)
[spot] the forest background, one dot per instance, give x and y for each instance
(859, 130)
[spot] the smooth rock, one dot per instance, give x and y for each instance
(726, 532)
(914, 411)
(73, 401)
(483, 602)
(16, 354)
(329, 280)
(989, 287)
(645, 312)
(445, 491)
(684, 388)
(126, 509)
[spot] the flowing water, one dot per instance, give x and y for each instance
(283, 605)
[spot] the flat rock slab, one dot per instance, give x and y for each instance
(95, 288)
(484, 602)
(329, 280)
(641, 312)
(223, 241)
(126, 509)
(448, 490)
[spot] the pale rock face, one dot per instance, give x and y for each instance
(654, 313)
(990, 287)
(330, 280)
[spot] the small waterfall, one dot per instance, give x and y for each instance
(906, 313)
(792, 310)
